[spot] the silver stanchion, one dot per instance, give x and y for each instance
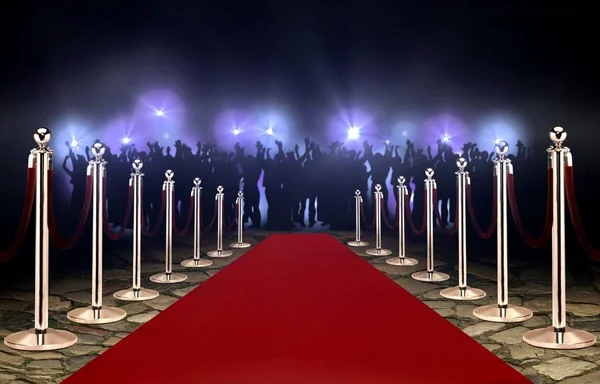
(96, 313)
(136, 292)
(41, 338)
(462, 291)
(378, 251)
(239, 203)
(559, 335)
(402, 260)
(219, 252)
(168, 277)
(357, 241)
(430, 275)
(197, 262)
(503, 312)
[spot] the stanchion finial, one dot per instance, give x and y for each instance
(461, 163)
(401, 181)
(501, 148)
(240, 194)
(378, 188)
(98, 150)
(169, 174)
(557, 135)
(220, 189)
(42, 136)
(357, 193)
(429, 173)
(197, 182)
(137, 166)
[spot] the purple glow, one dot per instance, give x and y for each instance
(159, 115)
(497, 128)
(74, 143)
(447, 127)
(126, 140)
(231, 126)
(269, 131)
(349, 125)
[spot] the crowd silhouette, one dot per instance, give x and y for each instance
(306, 184)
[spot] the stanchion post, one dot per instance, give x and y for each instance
(358, 204)
(402, 260)
(378, 200)
(462, 291)
(239, 204)
(197, 262)
(41, 338)
(136, 292)
(559, 335)
(430, 274)
(169, 277)
(502, 312)
(96, 313)
(219, 252)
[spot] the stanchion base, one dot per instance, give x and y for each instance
(469, 294)
(378, 252)
(402, 261)
(548, 338)
(171, 278)
(131, 295)
(105, 315)
(240, 245)
(430, 276)
(355, 243)
(193, 263)
(29, 341)
(495, 314)
(219, 253)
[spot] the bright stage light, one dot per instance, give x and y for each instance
(159, 113)
(446, 138)
(237, 131)
(387, 142)
(74, 143)
(497, 141)
(353, 133)
(126, 140)
(269, 131)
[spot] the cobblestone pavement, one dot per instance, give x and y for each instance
(529, 286)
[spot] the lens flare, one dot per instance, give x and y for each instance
(353, 133)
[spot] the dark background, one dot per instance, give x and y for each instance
(537, 61)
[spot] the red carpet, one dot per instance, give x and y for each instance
(298, 308)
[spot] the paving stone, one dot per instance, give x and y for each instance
(525, 351)
(466, 311)
(143, 317)
(135, 308)
(540, 274)
(510, 336)
(45, 364)
(563, 367)
(445, 312)
(588, 378)
(540, 304)
(533, 288)
(57, 304)
(13, 305)
(413, 286)
(492, 347)
(536, 322)
(196, 277)
(86, 339)
(591, 353)
(4, 332)
(433, 295)
(582, 295)
(121, 274)
(439, 304)
(43, 355)
(120, 326)
(161, 303)
(76, 362)
(115, 285)
(79, 350)
(482, 328)
(112, 341)
(583, 310)
(7, 378)
(88, 330)
(481, 270)
(11, 359)
(184, 291)
(394, 270)
(83, 297)
(70, 284)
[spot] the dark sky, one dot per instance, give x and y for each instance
(96, 55)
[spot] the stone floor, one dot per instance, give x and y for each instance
(529, 285)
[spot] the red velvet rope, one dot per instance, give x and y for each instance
(409, 219)
(363, 217)
(25, 217)
(161, 216)
(59, 242)
(212, 221)
(487, 234)
(386, 220)
(542, 239)
(576, 218)
(230, 226)
(188, 220)
(114, 236)
(447, 232)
